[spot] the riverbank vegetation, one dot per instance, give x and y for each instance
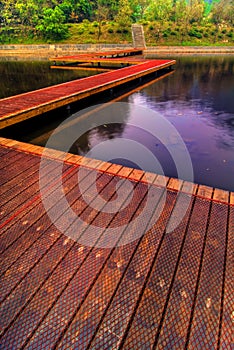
(166, 22)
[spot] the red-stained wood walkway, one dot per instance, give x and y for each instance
(17, 108)
(162, 290)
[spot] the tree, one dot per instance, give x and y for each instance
(52, 24)
(8, 13)
(138, 8)
(180, 11)
(196, 10)
(123, 17)
(28, 12)
(159, 10)
(222, 10)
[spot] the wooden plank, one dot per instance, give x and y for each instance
(205, 191)
(176, 321)
(161, 181)
(175, 184)
(81, 67)
(189, 187)
(44, 100)
(140, 295)
(207, 309)
(13, 185)
(136, 174)
(76, 289)
(221, 195)
(232, 198)
(119, 315)
(149, 178)
(127, 264)
(226, 329)
(111, 53)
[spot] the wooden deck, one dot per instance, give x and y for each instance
(163, 290)
(101, 54)
(28, 105)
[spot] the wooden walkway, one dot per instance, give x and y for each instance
(17, 108)
(163, 290)
(101, 54)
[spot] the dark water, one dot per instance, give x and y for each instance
(22, 76)
(197, 100)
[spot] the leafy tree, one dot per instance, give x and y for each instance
(222, 10)
(123, 17)
(159, 10)
(9, 13)
(52, 24)
(27, 12)
(138, 8)
(83, 9)
(106, 9)
(67, 9)
(180, 11)
(196, 10)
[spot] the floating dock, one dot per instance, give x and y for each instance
(21, 107)
(162, 290)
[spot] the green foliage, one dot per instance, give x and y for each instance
(165, 21)
(52, 24)
(159, 10)
(123, 17)
(193, 32)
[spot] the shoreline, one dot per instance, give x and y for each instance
(45, 51)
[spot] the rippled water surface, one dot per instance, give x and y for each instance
(197, 99)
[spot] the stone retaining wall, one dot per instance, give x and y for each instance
(49, 50)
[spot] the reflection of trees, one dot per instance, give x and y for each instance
(103, 124)
(207, 80)
(23, 76)
(103, 133)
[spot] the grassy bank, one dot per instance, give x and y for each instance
(156, 34)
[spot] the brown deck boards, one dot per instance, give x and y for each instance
(168, 288)
(27, 105)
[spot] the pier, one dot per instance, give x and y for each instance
(161, 290)
(159, 286)
(24, 106)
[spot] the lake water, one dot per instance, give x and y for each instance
(196, 100)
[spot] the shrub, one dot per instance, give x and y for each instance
(86, 22)
(52, 24)
(110, 30)
(80, 31)
(194, 33)
(95, 24)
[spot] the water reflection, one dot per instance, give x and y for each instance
(198, 100)
(23, 76)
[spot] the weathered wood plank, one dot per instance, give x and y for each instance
(169, 286)
(30, 104)
(221, 195)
